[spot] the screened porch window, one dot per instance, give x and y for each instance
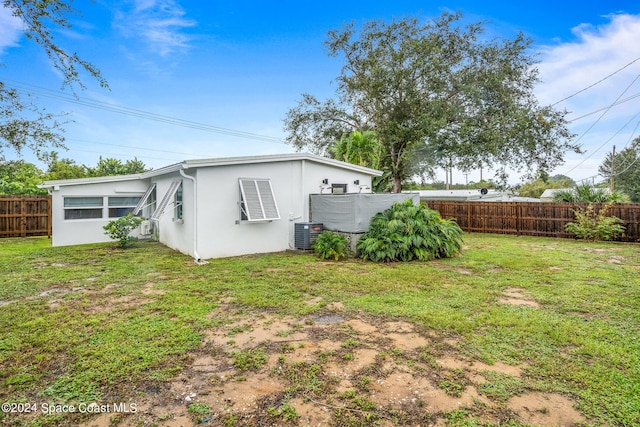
(257, 202)
(83, 207)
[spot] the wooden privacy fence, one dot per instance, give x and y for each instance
(22, 216)
(531, 219)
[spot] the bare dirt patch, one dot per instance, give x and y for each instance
(516, 296)
(541, 409)
(332, 369)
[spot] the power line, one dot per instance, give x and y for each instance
(598, 82)
(133, 112)
(598, 119)
(605, 143)
(628, 167)
(120, 154)
(625, 147)
(140, 148)
(622, 101)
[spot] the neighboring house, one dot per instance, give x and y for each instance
(548, 194)
(206, 208)
(472, 196)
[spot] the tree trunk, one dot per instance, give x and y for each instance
(397, 184)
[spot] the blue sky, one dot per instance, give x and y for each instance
(237, 67)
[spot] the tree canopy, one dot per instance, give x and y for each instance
(23, 124)
(625, 168)
(434, 93)
(18, 177)
(536, 187)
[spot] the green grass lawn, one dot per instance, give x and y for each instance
(80, 324)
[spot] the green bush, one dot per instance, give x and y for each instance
(330, 245)
(588, 194)
(595, 226)
(405, 232)
(120, 228)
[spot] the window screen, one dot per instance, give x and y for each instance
(83, 207)
(257, 202)
(120, 206)
(82, 202)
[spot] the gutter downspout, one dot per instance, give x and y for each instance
(196, 256)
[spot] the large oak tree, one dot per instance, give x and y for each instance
(24, 124)
(435, 93)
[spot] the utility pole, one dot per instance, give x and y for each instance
(451, 172)
(613, 166)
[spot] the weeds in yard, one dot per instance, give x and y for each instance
(249, 360)
(285, 411)
(199, 409)
(304, 378)
(350, 343)
(78, 322)
(454, 382)
(500, 386)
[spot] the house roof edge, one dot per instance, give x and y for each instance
(222, 161)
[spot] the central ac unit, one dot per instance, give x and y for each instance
(306, 233)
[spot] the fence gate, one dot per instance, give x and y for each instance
(22, 216)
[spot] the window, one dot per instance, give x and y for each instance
(148, 200)
(338, 188)
(178, 203)
(93, 207)
(173, 188)
(83, 207)
(120, 206)
(257, 202)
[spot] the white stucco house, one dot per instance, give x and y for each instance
(206, 208)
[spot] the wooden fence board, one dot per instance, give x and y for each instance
(530, 219)
(22, 216)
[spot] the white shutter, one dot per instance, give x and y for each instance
(258, 202)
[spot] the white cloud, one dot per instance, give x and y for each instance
(571, 66)
(597, 51)
(10, 29)
(158, 22)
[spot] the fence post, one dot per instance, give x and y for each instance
(49, 218)
(23, 218)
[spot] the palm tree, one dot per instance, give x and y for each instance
(359, 148)
(588, 194)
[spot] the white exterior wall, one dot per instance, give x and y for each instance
(292, 181)
(81, 231)
(175, 233)
(219, 231)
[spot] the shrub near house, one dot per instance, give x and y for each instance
(120, 229)
(406, 232)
